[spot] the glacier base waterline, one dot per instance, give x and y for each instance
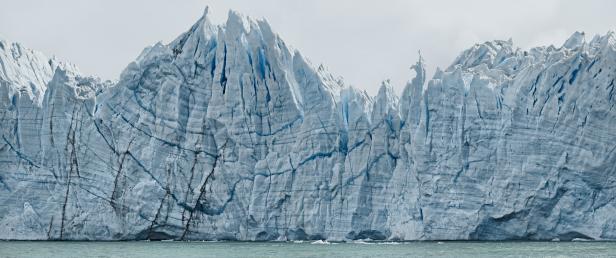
(305, 249)
(227, 133)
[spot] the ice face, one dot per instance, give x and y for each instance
(227, 133)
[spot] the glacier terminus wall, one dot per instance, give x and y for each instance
(227, 133)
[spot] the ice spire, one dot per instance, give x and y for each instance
(203, 29)
(575, 40)
(411, 96)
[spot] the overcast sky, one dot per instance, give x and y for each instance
(363, 41)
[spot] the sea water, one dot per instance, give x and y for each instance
(300, 249)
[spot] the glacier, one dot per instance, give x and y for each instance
(227, 133)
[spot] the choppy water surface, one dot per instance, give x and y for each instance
(307, 249)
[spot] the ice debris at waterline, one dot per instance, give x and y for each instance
(227, 133)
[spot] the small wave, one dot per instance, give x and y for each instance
(389, 243)
(320, 242)
(362, 242)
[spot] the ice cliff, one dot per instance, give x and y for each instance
(227, 133)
